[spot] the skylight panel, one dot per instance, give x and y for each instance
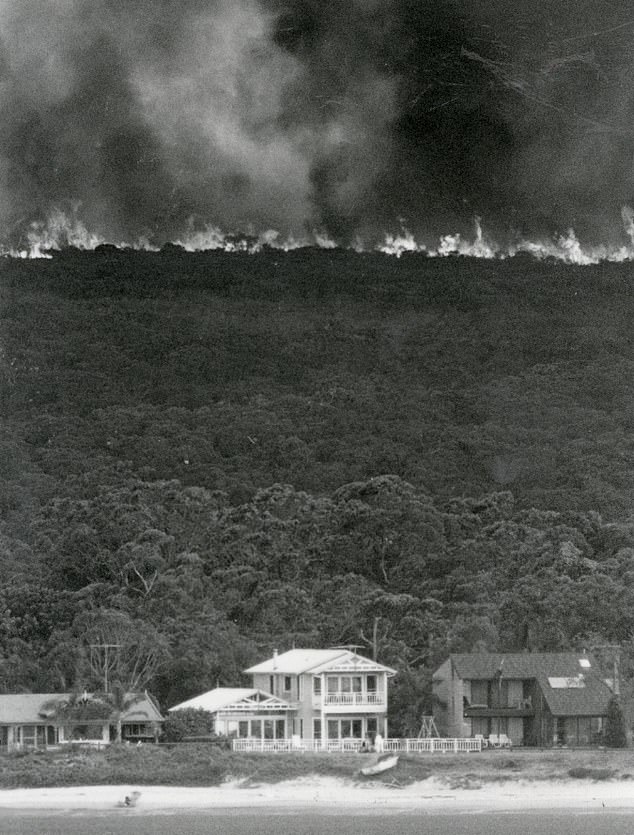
(566, 683)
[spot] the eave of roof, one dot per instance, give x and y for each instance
(234, 699)
(299, 661)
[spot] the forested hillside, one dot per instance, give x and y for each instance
(203, 457)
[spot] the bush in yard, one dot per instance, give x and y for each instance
(189, 722)
(615, 735)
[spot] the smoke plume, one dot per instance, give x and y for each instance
(149, 118)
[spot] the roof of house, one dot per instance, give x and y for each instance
(519, 665)
(33, 708)
(233, 698)
(571, 682)
(297, 661)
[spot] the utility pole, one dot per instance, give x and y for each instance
(105, 668)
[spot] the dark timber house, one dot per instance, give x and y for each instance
(539, 699)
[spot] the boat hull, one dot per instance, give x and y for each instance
(380, 766)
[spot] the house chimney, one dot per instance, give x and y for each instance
(275, 659)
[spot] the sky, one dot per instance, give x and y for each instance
(149, 118)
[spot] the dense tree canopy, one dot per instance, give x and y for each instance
(212, 456)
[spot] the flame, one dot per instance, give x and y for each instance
(63, 229)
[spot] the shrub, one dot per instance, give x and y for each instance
(189, 722)
(615, 735)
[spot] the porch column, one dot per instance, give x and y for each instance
(324, 727)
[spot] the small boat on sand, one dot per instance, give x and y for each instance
(384, 763)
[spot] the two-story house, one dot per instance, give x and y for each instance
(319, 695)
(336, 693)
(540, 699)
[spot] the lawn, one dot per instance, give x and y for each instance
(202, 764)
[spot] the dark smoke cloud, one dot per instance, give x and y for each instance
(146, 118)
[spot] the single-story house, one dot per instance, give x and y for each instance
(44, 720)
(243, 712)
(539, 699)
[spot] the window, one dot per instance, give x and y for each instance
(256, 728)
(346, 684)
(271, 684)
(479, 693)
(356, 684)
(333, 684)
(287, 684)
(346, 728)
(371, 725)
(371, 683)
(499, 693)
(269, 729)
(232, 727)
(132, 729)
(479, 725)
(243, 728)
(317, 686)
(316, 728)
(584, 730)
(280, 729)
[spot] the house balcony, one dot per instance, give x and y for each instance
(354, 702)
(519, 709)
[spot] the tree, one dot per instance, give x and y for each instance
(615, 735)
(119, 701)
(84, 715)
(118, 650)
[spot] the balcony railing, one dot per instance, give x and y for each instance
(354, 699)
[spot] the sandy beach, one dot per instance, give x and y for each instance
(329, 795)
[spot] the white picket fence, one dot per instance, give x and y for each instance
(429, 745)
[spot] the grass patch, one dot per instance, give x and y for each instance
(200, 764)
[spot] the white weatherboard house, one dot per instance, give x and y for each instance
(243, 712)
(316, 695)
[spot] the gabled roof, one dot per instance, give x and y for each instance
(571, 682)
(27, 708)
(234, 699)
(520, 665)
(590, 699)
(33, 708)
(298, 661)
